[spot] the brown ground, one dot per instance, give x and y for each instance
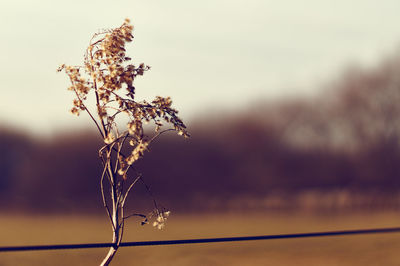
(379, 249)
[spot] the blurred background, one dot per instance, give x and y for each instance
(292, 106)
(285, 104)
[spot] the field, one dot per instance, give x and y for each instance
(379, 249)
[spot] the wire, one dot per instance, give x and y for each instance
(202, 240)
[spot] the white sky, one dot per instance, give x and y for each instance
(204, 54)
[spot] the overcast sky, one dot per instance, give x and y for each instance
(205, 54)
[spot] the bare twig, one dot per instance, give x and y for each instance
(135, 214)
(129, 189)
(103, 197)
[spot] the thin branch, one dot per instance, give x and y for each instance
(110, 171)
(113, 143)
(129, 189)
(103, 197)
(121, 231)
(94, 120)
(87, 110)
(98, 41)
(159, 134)
(150, 193)
(104, 162)
(97, 98)
(135, 214)
(120, 146)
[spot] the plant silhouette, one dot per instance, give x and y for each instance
(104, 89)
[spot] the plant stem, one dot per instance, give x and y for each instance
(109, 257)
(116, 213)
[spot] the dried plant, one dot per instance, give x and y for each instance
(107, 77)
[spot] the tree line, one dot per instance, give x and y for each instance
(345, 138)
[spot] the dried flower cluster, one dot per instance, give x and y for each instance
(108, 77)
(107, 74)
(161, 220)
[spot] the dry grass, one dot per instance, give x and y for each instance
(382, 249)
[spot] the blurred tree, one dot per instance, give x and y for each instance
(15, 150)
(368, 105)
